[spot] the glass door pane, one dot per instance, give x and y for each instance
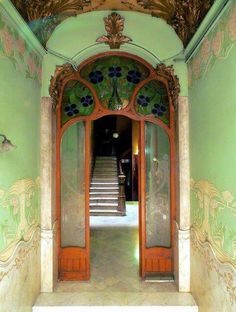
(157, 152)
(73, 186)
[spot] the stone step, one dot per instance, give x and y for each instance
(101, 183)
(104, 170)
(103, 193)
(103, 188)
(103, 199)
(107, 213)
(104, 205)
(125, 301)
(104, 179)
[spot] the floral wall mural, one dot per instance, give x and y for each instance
(216, 46)
(20, 89)
(18, 51)
(214, 219)
(212, 93)
(19, 210)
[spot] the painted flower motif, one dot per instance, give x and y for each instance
(71, 110)
(114, 71)
(197, 67)
(205, 50)
(143, 100)
(39, 73)
(20, 44)
(86, 100)
(134, 76)
(96, 76)
(31, 65)
(228, 197)
(7, 41)
(159, 110)
(232, 24)
(190, 76)
(217, 43)
(14, 203)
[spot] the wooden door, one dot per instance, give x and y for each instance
(156, 200)
(74, 254)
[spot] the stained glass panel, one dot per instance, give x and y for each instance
(114, 78)
(152, 99)
(77, 101)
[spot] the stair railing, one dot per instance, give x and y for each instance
(121, 196)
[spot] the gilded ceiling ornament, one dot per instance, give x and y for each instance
(183, 15)
(62, 73)
(43, 16)
(114, 25)
(167, 72)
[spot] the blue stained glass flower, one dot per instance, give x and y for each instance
(143, 100)
(86, 100)
(71, 110)
(134, 76)
(96, 76)
(159, 110)
(114, 71)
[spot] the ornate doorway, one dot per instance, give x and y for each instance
(117, 84)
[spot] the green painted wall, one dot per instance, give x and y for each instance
(20, 86)
(75, 39)
(212, 94)
(19, 121)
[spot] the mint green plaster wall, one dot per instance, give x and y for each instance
(75, 39)
(20, 85)
(212, 94)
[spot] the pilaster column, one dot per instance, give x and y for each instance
(182, 228)
(48, 225)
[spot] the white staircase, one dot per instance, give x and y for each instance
(104, 187)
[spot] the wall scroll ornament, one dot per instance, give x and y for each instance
(61, 74)
(114, 25)
(167, 72)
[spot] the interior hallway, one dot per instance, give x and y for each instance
(114, 271)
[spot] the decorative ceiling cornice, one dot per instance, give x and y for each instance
(114, 25)
(44, 15)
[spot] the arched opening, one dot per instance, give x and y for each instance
(117, 84)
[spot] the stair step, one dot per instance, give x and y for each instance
(103, 183)
(103, 204)
(102, 301)
(104, 193)
(107, 213)
(104, 180)
(104, 188)
(103, 198)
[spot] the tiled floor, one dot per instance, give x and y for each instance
(114, 272)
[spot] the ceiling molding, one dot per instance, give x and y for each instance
(206, 26)
(183, 15)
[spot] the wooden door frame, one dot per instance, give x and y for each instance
(99, 111)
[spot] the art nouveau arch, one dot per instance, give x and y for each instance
(49, 270)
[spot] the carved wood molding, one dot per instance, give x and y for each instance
(62, 73)
(167, 72)
(183, 15)
(114, 25)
